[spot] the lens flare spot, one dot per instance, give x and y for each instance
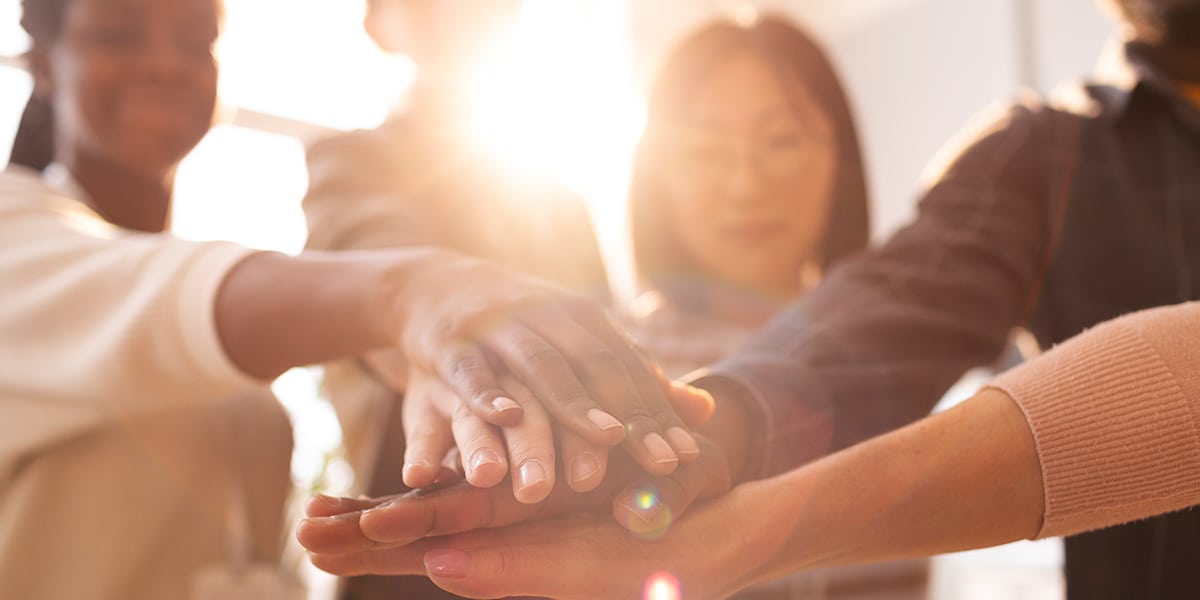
(643, 513)
(662, 586)
(646, 499)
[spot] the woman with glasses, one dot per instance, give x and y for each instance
(748, 185)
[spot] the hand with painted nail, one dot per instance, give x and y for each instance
(470, 321)
(354, 531)
(437, 421)
(464, 537)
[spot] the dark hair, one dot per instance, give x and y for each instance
(1162, 23)
(798, 61)
(33, 145)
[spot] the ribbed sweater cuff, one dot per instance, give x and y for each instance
(1115, 430)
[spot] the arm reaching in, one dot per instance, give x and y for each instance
(895, 505)
(1069, 442)
(465, 320)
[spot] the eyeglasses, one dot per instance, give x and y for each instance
(776, 154)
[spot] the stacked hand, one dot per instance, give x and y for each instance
(508, 377)
(468, 322)
(483, 542)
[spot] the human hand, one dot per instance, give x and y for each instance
(468, 320)
(711, 552)
(436, 420)
(643, 504)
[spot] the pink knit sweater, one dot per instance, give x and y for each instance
(1115, 414)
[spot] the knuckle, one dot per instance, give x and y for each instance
(462, 412)
(604, 361)
(468, 366)
(537, 353)
(574, 400)
(504, 561)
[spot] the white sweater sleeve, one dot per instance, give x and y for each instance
(94, 314)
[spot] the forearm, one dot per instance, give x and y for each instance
(275, 311)
(966, 478)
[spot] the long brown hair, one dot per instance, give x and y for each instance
(798, 61)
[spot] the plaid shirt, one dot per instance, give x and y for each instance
(1056, 215)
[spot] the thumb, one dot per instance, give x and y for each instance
(694, 405)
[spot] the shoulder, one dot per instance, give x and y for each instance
(1013, 135)
(360, 139)
(22, 188)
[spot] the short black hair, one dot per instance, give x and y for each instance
(1162, 22)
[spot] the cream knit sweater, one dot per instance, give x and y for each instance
(96, 321)
(119, 408)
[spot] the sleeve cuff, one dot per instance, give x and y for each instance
(1114, 430)
(197, 313)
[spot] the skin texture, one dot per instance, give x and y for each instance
(758, 169)
(468, 321)
(883, 499)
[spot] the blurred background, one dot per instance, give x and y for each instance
(565, 100)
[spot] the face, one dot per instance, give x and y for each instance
(749, 171)
(439, 34)
(133, 82)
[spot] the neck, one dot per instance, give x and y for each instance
(441, 95)
(134, 199)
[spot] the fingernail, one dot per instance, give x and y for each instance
(482, 458)
(450, 564)
(659, 449)
(408, 467)
(603, 420)
(644, 511)
(583, 467)
(330, 500)
(532, 473)
(503, 404)
(682, 441)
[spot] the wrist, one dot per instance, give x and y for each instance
(393, 298)
(765, 516)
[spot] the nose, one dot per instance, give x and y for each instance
(743, 177)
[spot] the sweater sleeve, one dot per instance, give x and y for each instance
(1115, 413)
(98, 316)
